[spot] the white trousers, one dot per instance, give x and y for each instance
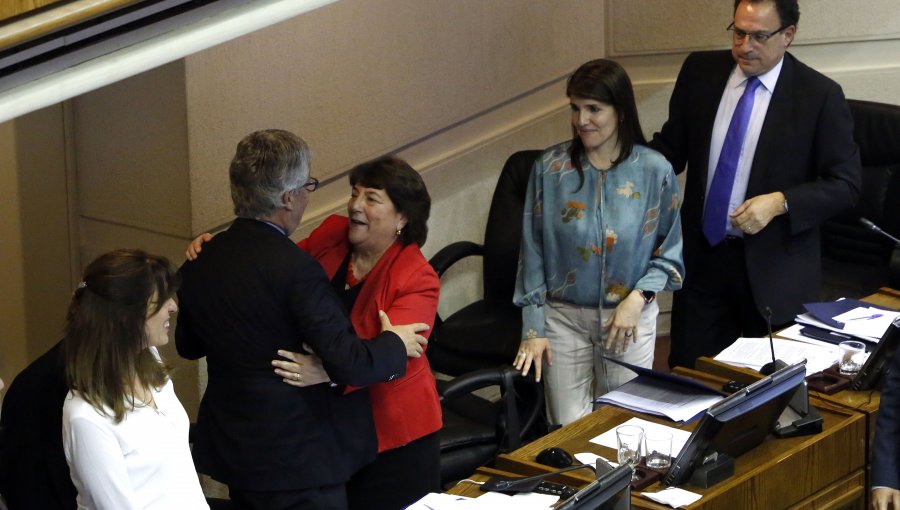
(579, 373)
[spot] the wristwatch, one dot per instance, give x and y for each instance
(648, 296)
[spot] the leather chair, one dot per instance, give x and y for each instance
(486, 333)
(855, 260)
(478, 342)
(476, 429)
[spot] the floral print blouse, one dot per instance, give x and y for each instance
(592, 246)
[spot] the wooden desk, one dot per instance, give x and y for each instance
(472, 490)
(865, 402)
(819, 471)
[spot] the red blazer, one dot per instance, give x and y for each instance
(405, 286)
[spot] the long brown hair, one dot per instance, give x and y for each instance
(105, 340)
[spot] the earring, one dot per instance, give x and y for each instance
(399, 231)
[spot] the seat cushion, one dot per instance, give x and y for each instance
(465, 445)
(484, 334)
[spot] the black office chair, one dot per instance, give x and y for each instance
(475, 429)
(478, 342)
(855, 260)
(486, 333)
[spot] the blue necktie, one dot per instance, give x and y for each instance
(715, 213)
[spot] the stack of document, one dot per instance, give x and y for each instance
(846, 318)
(678, 398)
(755, 352)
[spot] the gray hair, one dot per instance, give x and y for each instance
(266, 165)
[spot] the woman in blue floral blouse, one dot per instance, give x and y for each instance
(601, 237)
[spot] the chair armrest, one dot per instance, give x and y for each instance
(894, 269)
(505, 377)
(471, 381)
(452, 253)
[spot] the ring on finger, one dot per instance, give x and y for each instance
(296, 377)
(628, 333)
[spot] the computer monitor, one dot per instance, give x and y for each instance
(874, 370)
(610, 491)
(738, 423)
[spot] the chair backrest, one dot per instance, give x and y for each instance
(503, 233)
(877, 133)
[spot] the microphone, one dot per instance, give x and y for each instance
(776, 364)
(529, 484)
(875, 228)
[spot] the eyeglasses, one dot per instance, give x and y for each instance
(312, 184)
(738, 35)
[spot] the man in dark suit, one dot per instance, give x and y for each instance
(886, 444)
(33, 469)
(251, 293)
(795, 164)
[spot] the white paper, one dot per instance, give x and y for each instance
(675, 402)
(436, 501)
(866, 322)
(500, 501)
(793, 333)
(679, 437)
(673, 496)
(808, 319)
(755, 352)
(591, 459)
(488, 500)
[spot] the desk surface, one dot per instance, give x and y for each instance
(866, 402)
(801, 472)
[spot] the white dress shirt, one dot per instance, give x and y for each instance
(737, 82)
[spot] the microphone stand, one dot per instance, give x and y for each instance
(894, 264)
(798, 418)
(875, 228)
(776, 364)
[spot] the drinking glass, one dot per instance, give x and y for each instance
(630, 439)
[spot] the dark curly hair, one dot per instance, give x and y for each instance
(406, 189)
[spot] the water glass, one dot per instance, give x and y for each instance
(630, 438)
(658, 449)
(852, 356)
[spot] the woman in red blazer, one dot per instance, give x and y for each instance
(373, 260)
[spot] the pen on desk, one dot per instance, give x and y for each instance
(869, 317)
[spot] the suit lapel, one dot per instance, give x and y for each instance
(776, 124)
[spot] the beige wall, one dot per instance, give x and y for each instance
(35, 267)
(455, 87)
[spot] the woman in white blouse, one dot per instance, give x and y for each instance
(125, 433)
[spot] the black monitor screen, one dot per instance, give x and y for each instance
(873, 372)
(610, 491)
(738, 423)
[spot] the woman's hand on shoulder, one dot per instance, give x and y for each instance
(196, 246)
(302, 370)
(533, 351)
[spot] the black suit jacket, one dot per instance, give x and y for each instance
(251, 292)
(886, 445)
(805, 150)
(33, 469)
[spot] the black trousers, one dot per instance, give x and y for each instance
(329, 497)
(398, 477)
(715, 306)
